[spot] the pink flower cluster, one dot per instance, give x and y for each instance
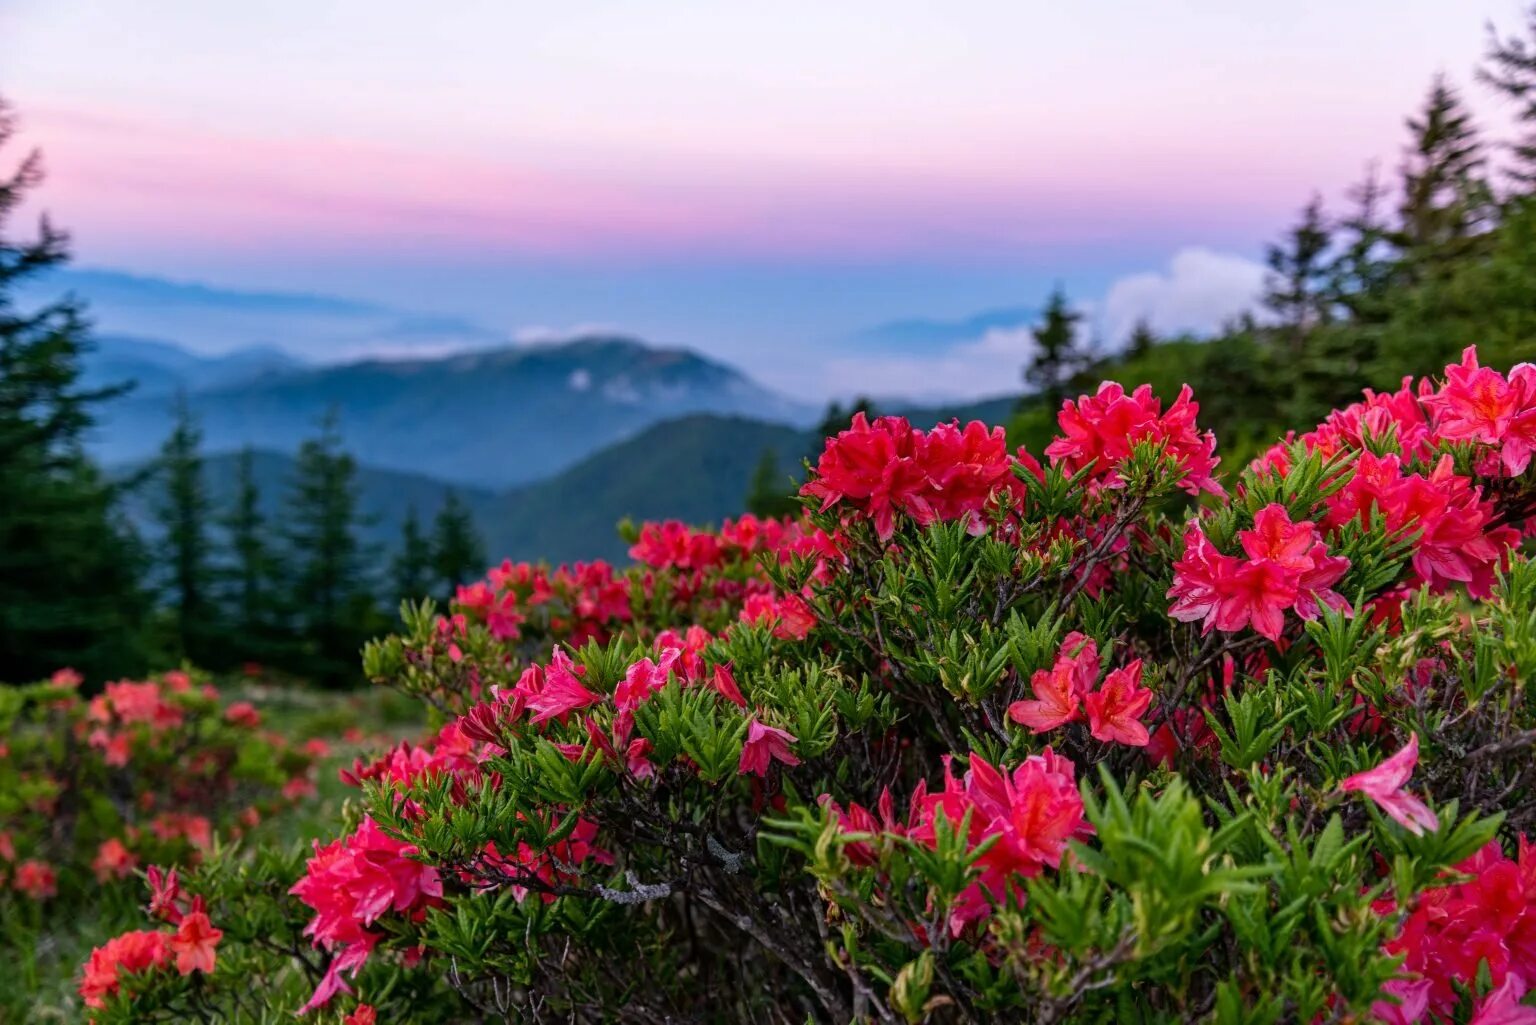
(1030, 814)
(1286, 566)
(1103, 430)
(1488, 915)
(1066, 691)
(880, 469)
(350, 884)
(193, 945)
(583, 601)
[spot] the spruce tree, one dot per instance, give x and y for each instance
(1510, 70)
(1446, 203)
(69, 591)
(1059, 353)
(1296, 289)
(410, 571)
(458, 554)
(1361, 275)
(1142, 340)
(771, 493)
(251, 570)
(331, 599)
(183, 512)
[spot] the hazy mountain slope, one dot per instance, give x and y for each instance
(696, 469)
(491, 418)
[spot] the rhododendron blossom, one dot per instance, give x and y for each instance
(1102, 431)
(129, 953)
(195, 943)
(1116, 708)
(1060, 690)
(1384, 785)
(765, 745)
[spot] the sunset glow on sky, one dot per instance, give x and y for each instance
(726, 175)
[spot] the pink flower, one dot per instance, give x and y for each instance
(36, 879)
(1059, 691)
(113, 861)
(1104, 429)
(1412, 1000)
(1116, 708)
(194, 944)
(763, 745)
(1478, 404)
(363, 1015)
(724, 683)
(1384, 785)
(643, 679)
(243, 713)
(562, 692)
(131, 953)
(1503, 1006)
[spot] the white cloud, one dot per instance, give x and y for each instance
(989, 365)
(538, 334)
(1197, 292)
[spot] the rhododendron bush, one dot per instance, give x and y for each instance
(1106, 732)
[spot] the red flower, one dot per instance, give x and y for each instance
(364, 1015)
(1104, 429)
(1384, 785)
(113, 861)
(194, 943)
(764, 745)
(1059, 691)
(1116, 708)
(131, 953)
(36, 879)
(562, 692)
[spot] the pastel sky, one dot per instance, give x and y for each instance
(756, 180)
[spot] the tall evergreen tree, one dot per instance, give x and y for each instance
(1362, 273)
(331, 599)
(1141, 341)
(1296, 288)
(410, 570)
(1446, 203)
(251, 573)
(771, 492)
(183, 512)
(458, 554)
(69, 592)
(1059, 352)
(1510, 70)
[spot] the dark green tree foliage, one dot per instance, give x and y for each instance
(69, 591)
(1141, 341)
(458, 553)
(1060, 354)
(331, 604)
(1297, 288)
(410, 569)
(1510, 70)
(183, 514)
(1445, 202)
(772, 491)
(250, 575)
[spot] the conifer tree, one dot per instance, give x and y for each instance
(331, 597)
(771, 492)
(1361, 275)
(1446, 203)
(1059, 353)
(1510, 70)
(458, 554)
(1296, 288)
(183, 512)
(252, 569)
(410, 571)
(1142, 340)
(69, 592)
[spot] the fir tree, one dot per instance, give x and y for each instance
(252, 568)
(69, 591)
(1445, 201)
(1296, 288)
(183, 512)
(771, 493)
(1360, 277)
(1510, 70)
(458, 554)
(1059, 353)
(410, 570)
(1141, 341)
(331, 597)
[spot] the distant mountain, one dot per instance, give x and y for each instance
(159, 368)
(918, 335)
(489, 418)
(214, 320)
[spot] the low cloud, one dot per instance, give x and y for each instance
(987, 366)
(1198, 291)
